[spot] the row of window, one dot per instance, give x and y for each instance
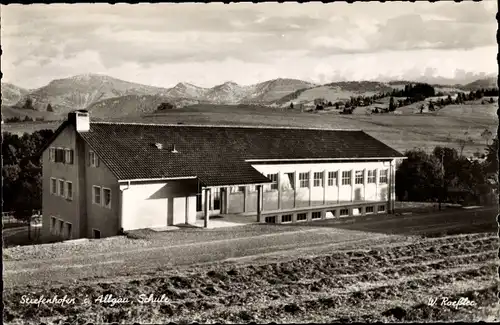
(60, 228)
(61, 155)
(61, 188)
(315, 215)
(101, 196)
(67, 156)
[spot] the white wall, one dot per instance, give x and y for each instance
(286, 198)
(158, 204)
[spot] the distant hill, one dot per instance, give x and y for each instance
(11, 94)
(491, 82)
(81, 91)
(110, 97)
(336, 91)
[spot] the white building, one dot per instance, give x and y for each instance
(100, 178)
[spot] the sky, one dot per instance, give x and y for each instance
(209, 44)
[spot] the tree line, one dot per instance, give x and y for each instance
(447, 176)
(22, 170)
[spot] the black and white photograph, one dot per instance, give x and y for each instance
(250, 162)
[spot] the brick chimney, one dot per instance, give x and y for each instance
(80, 119)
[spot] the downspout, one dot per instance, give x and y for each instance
(120, 215)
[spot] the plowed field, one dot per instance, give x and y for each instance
(387, 282)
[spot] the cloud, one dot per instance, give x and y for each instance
(60, 40)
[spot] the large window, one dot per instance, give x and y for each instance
(383, 176)
(368, 210)
(53, 186)
(270, 219)
(332, 178)
(93, 159)
(52, 224)
(286, 218)
(304, 179)
(236, 189)
(61, 187)
(106, 193)
(69, 230)
(59, 155)
(52, 154)
(381, 208)
(61, 228)
(96, 195)
(371, 176)
(346, 177)
(69, 190)
(344, 212)
(288, 182)
(301, 216)
(359, 177)
(274, 185)
(316, 215)
(69, 156)
(318, 179)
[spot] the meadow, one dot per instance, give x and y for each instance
(403, 131)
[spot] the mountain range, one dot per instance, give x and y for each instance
(107, 96)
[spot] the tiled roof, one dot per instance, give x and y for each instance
(215, 154)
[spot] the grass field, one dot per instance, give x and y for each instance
(382, 283)
(406, 131)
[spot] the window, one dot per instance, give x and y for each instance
(330, 214)
(106, 193)
(301, 216)
(69, 156)
(359, 177)
(286, 218)
(61, 188)
(199, 205)
(52, 224)
(96, 196)
(96, 233)
(316, 215)
(69, 227)
(274, 180)
(344, 212)
(318, 179)
(304, 179)
(368, 210)
(371, 176)
(59, 155)
(252, 188)
(52, 154)
(53, 186)
(270, 219)
(383, 176)
(289, 182)
(346, 177)
(356, 211)
(69, 190)
(381, 208)
(332, 178)
(93, 159)
(236, 189)
(61, 227)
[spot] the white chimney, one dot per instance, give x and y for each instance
(80, 119)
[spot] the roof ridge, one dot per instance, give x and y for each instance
(224, 126)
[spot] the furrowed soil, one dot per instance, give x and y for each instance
(387, 282)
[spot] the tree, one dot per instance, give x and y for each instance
(28, 104)
(463, 142)
(392, 106)
(165, 106)
(431, 106)
(291, 105)
(421, 108)
(418, 178)
(49, 108)
(486, 135)
(337, 105)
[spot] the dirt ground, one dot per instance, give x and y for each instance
(380, 276)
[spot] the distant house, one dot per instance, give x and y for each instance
(100, 177)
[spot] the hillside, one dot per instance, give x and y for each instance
(81, 91)
(337, 91)
(11, 94)
(491, 82)
(272, 90)
(134, 105)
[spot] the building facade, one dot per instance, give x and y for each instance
(103, 178)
